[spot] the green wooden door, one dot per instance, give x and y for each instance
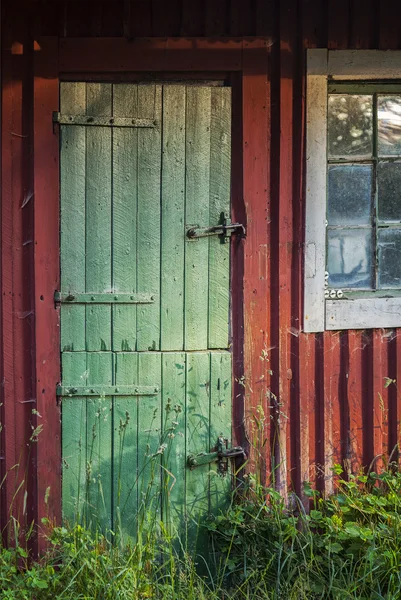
(146, 365)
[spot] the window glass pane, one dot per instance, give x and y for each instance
(389, 255)
(389, 125)
(349, 125)
(350, 258)
(389, 191)
(349, 195)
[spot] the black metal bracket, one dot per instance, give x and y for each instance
(221, 455)
(225, 229)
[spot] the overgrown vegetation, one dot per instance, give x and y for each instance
(348, 546)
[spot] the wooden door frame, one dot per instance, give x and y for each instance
(246, 59)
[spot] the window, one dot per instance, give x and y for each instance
(353, 190)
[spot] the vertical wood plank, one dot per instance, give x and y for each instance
(338, 24)
(98, 216)
(216, 17)
(257, 246)
(175, 458)
(197, 213)
(378, 405)
(173, 214)
(46, 370)
(124, 225)
(331, 408)
(220, 425)
(148, 240)
(149, 435)
(219, 202)
(125, 449)
(72, 215)
(355, 396)
(74, 439)
(197, 440)
(288, 17)
(100, 369)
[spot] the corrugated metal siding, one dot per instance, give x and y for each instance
(330, 387)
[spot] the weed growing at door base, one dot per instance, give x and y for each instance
(348, 546)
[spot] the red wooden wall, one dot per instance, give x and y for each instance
(327, 390)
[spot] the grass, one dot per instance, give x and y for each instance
(348, 546)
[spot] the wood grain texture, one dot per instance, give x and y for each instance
(148, 218)
(98, 216)
(125, 216)
(74, 440)
(125, 449)
(197, 184)
(173, 218)
(72, 215)
(257, 248)
(47, 279)
(219, 203)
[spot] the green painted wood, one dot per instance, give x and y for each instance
(125, 208)
(143, 188)
(149, 173)
(98, 216)
(173, 428)
(220, 424)
(125, 444)
(100, 369)
(219, 253)
(149, 436)
(198, 111)
(197, 440)
(173, 217)
(72, 215)
(73, 414)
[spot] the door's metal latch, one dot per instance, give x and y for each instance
(221, 455)
(224, 229)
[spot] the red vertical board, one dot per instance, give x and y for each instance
(256, 136)
(17, 313)
(46, 264)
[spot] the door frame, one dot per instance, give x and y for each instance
(247, 62)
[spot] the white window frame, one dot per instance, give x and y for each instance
(322, 313)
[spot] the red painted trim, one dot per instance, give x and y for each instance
(16, 276)
(250, 202)
(113, 55)
(256, 140)
(46, 261)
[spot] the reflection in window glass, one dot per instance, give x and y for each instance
(349, 125)
(389, 191)
(349, 195)
(350, 258)
(389, 125)
(389, 258)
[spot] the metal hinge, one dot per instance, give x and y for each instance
(107, 390)
(222, 454)
(224, 229)
(89, 120)
(104, 298)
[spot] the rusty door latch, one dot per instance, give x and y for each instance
(221, 455)
(224, 229)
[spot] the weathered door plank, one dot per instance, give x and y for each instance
(98, 216)
(173, 216)
(72, 216)
(219, 253)
(149, 171)
(197, 213)
(125, 207)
